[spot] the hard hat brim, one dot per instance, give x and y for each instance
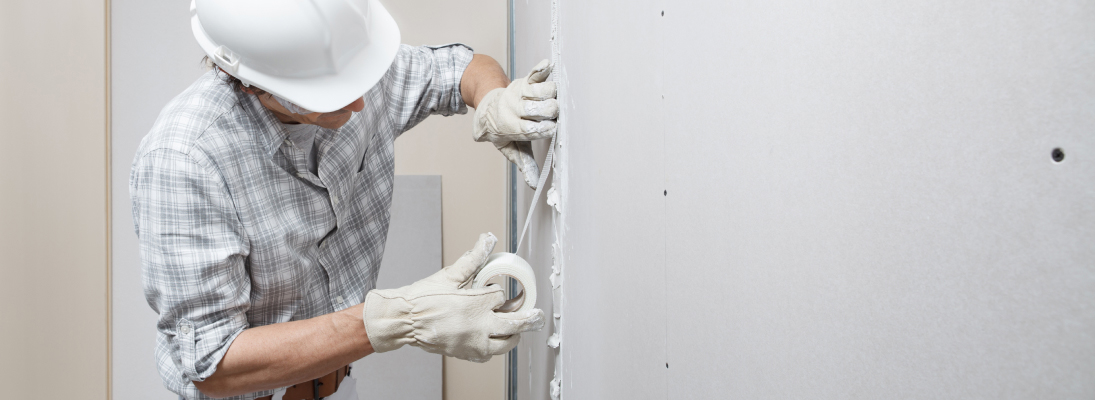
(328, 93)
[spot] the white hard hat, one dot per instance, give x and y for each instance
(319, 54)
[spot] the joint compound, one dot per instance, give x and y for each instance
(555, 162)
(556, 198)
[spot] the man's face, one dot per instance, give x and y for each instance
(331, 120)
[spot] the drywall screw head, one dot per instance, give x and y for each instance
(1058, 155)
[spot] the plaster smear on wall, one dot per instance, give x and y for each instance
(555, 199)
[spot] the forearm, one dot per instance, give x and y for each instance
(285, 354)
(482, 75)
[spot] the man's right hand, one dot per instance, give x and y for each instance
(438, 315)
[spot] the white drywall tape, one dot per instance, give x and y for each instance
(544, 172)
(511, 265)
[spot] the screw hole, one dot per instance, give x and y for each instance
(1058, 155)
(667, 365)
(665, 193)
(663, 13)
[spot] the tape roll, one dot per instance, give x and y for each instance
(511, 265)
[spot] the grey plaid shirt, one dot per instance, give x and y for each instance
(235, 232)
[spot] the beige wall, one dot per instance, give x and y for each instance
(53, 259)
(473, 174)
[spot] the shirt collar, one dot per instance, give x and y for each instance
(271, 134)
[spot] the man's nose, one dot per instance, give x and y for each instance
(356, 106)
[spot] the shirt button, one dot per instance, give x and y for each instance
(334, 199)
(301, 175)
(185, 329)
(339, 299)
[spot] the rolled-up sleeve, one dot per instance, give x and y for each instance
(426, 80)
(193, 251)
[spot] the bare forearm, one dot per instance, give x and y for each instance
(482, 75)
(288, 353)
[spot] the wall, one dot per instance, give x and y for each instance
(535, 360)
(796, 199)
(154, 58)
(53, 243)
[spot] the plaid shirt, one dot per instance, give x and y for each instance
(234, 230)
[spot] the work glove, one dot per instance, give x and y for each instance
(512, 116)
(440, 316)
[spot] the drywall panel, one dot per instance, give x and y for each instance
(153, 58)
(53, 223)
(614, 244)
(535, 360)
(610, 227)
(867, 196)
(795, 199)
(412, 252)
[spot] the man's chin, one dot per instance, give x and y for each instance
(334, 120)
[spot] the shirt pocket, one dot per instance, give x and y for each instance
(363, 154)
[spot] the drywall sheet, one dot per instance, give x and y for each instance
(793, 199)
(608, 230)
(153, 58)
(412, 252)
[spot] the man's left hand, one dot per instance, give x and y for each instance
(512, 116)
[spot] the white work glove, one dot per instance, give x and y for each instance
(512, 116)
(437, 315)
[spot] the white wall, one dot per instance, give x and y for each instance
(154, 58)
(535, 360)
(832, 200)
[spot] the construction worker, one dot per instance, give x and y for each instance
(261, 199)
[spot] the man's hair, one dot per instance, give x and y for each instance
(233, 82)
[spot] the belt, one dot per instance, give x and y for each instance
(315, 389)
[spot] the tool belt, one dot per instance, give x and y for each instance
(315, 389)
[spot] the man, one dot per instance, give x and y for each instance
(261, 199)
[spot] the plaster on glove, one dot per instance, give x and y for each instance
(512, 116)
(438, 315)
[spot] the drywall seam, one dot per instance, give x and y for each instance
(556, 197)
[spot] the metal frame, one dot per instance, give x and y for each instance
(512, 217)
